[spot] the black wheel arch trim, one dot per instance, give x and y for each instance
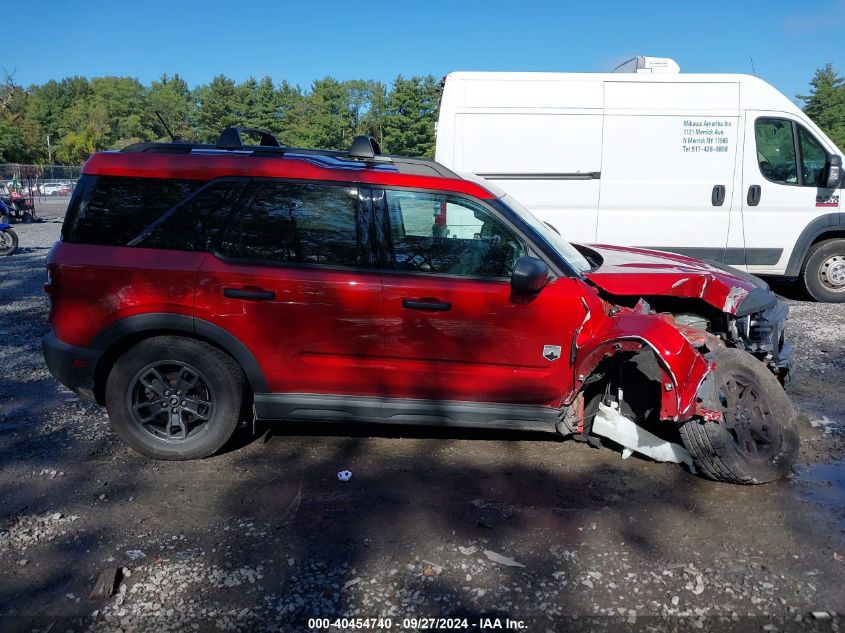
(168, 322)
(815, 229)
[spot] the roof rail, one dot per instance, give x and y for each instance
(364, 149)
(230, 138)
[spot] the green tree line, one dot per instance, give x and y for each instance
(81, 115)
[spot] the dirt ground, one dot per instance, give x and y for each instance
(495, 530)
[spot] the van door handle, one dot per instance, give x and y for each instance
(427, 305)
(754, 195)
(251, 295)
(718, 195)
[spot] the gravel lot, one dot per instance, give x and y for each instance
(432, 523)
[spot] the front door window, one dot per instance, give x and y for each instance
(784, 161)
(813, 159)
(776, 150)
(441, 234)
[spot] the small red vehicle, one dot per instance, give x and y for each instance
(195, 285)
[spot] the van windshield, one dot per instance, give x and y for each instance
(554, 239)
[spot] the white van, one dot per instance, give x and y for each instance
(720, 167)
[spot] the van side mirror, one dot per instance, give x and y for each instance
(529, 276)
(833, 172)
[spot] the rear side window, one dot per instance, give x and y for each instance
(188, 225)
(285, 222)
(112, 211)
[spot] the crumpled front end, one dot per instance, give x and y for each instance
(763, 335)
(637, 368)
(607, 350)
(733, 305)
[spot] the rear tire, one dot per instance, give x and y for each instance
(823, 273)
(27, 217)
(8, 242)
(756, 441)
(175, 398)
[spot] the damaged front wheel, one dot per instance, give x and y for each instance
(756, 440)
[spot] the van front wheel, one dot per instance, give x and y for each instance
(823, 274)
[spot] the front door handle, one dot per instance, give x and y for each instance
(718, 195)
(251, 295)
(754, 195)
(427, 304)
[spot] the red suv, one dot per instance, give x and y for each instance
(193, 283)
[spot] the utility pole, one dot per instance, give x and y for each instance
(50, 156)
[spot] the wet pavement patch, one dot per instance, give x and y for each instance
(826, 483)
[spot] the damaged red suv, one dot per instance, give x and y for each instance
(196, 286)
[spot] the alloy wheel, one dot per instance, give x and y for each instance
(172, 401)
(748, 418)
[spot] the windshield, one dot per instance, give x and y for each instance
(554, 239)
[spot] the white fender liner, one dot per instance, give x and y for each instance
(614, 426)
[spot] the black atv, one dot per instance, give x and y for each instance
(21, 209)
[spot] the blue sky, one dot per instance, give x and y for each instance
(302, 41)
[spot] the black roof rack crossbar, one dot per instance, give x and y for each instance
(230, 138)
(364, 147)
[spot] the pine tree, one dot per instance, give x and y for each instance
(292, 111)
(826, 103)
(410, 114)
(217, 109)
(330, 124)
(267, 115)
(373, 120)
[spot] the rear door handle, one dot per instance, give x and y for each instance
(718, 195)
(426, 305)
(754, 195)
(251, 295)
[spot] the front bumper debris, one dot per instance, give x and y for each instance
(763, 335)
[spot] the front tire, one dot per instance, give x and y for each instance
(756, 441)
(823, 273)
(175, 398)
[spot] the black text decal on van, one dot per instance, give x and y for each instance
(827, 201)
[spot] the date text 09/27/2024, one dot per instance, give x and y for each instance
(418, 624)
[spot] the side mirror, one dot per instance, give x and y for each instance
(529, 276)
(833, 172)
